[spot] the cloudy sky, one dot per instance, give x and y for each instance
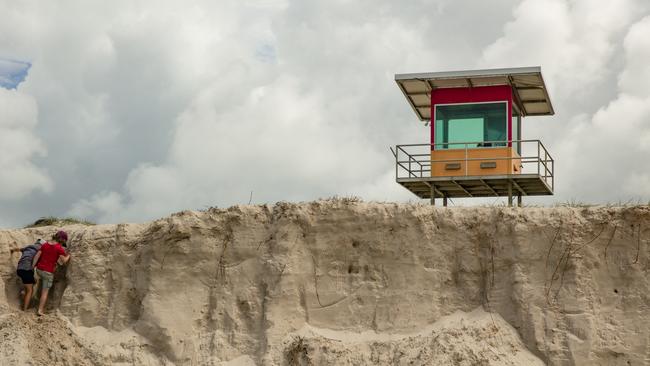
(130, 110)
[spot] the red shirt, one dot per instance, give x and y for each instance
(50, 253)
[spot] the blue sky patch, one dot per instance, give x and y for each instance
(13, 73)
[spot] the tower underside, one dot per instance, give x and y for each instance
(477, 186)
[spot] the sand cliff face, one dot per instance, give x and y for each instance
(338, 282)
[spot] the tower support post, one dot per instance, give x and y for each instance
(509, 193)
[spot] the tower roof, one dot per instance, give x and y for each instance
(527, 84)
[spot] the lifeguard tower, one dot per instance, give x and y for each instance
(476, 149)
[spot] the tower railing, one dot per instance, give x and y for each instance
(415, 160)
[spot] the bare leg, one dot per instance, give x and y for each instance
(41, 303)
(28, 296)
(37, 289)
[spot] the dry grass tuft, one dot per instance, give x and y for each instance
(58, 221)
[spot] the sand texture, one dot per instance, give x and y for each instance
(346, 283)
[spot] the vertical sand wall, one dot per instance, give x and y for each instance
(265, 284)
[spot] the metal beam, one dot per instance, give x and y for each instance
(534, 101)
(518, 188)
(520, 105)
(410, 101)
(534, 70)
(461, 187)
(489, 187)
(421, 93)
(548, 98)
(428, 84)
(433, 186)
(529, 87)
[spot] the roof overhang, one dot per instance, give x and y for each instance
(527, 83)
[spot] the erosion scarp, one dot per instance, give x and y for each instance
(339, 282)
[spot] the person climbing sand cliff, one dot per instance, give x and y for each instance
(25, 269)
(45, 262)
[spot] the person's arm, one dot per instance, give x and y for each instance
(36, 258)
(65, 258)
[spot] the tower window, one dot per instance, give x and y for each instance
(482, 124)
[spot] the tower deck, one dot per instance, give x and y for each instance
(475, 172)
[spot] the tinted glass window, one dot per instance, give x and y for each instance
(481, 124)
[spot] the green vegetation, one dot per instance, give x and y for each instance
(58, 221)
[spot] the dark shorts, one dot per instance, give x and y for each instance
(27, 276)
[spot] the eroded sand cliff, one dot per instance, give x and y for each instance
(340, 282)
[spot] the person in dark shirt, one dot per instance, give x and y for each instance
(45, 262)
(25, 269)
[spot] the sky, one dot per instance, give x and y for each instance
(127, 111)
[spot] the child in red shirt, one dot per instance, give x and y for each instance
(45, 261)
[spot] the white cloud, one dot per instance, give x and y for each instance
(575, 42)
(102, 202)
(19, 176)
(638, 185)
(150, 107)
(275, 139)
(635, 78)
(609, 152)
(599, 134)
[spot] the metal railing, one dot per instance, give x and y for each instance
(415, 160)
